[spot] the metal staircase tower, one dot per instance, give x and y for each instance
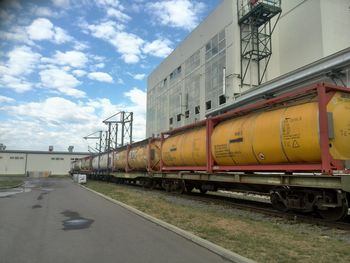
(256, 28)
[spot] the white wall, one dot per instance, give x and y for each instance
(12, 164)
(21, 163)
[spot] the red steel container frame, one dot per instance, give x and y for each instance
(324, 93)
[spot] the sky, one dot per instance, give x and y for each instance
(66, 65)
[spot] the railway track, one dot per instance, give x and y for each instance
(267, 209)
(264, 208)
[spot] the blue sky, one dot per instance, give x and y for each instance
(65, 65)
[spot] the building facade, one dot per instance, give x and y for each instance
(37, 162)
(204, 72)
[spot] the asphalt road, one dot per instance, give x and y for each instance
(55, 220)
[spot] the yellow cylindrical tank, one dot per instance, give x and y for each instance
(285, 135)
(185, 149)
(339, 106)
(277, 136)
(140, 154)
(120, 160)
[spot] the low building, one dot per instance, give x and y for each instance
(37, 163)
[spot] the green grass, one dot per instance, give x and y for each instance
(8, 183)
(251, 235)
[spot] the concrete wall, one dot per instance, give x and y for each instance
(308, 30)
(12, 163)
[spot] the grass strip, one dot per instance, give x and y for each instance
(10, 183)
(252, 235)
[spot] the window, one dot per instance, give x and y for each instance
(171, 121)
(171, 75)
(178, 117)
(164, 82)
(208, 46)
(187, 114)
(59, 158)
(12, 157)
(197, 109)
(215, 45)
(0, 157)
(179, 70)
(222, 99)
(208, 105)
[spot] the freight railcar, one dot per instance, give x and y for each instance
(294, 146)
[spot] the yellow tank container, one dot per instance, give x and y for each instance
(139, 156)
(284, 135)
(185, 149)
(339, 106)
(120, 160)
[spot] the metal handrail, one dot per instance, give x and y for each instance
(250, 4)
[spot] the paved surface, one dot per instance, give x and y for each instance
(54, 220)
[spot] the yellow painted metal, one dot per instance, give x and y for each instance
(266, 137)
(339, 106)
(283, 135)
(120, 160)
(140, 154)
(300, 133)
(185, 149)
(234, 147)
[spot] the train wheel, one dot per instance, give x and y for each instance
(189, 188)
(336, 213)
(203, 191)
(277, 201)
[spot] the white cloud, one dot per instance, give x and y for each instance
(61, 36)
(72, 58)
(108, 3)
(61, 3)
(158, 48)
(139, 76)
(15, 33)
(54, 110)
(100, 65)
(138, 100)
(177, 13)
(4, 99)
(119, 15)
(105, 30)
(21, 61)
(51, 122)
(42, 29)
(100, 76)
(17, 84)
(43, 11)
(79, 72)
(80, 45)
(61, 81)
(127, 44)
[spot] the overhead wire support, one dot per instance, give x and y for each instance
(124, 121)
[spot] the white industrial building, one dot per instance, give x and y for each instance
(222, 62)
(37, 163)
